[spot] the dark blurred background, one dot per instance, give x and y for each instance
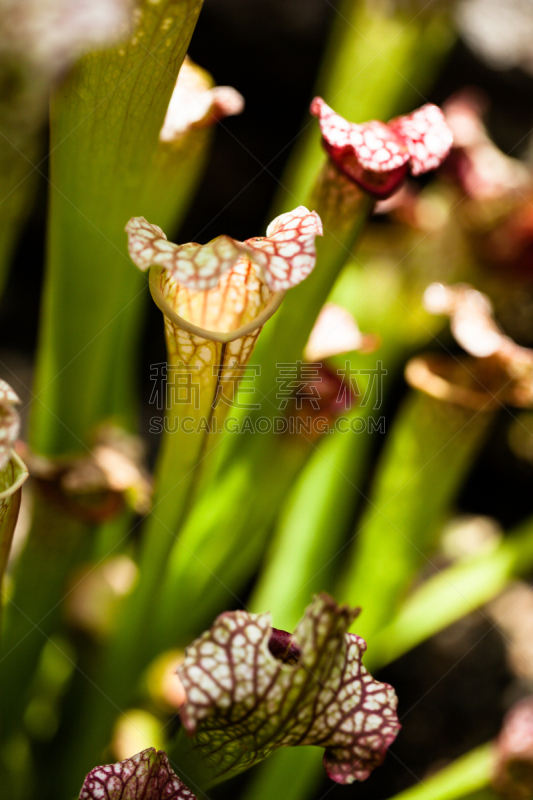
(270, 50)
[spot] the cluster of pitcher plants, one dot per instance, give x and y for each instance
(139, 657)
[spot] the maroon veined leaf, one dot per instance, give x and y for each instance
(252, 689)
(377, 156)
(285, 256)
(146, 776)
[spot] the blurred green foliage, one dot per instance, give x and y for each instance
(249, 519)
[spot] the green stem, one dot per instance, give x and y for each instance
(225, 535)
(344, 212)
(296, 769)
(468, 774)
(302, 559)
(115, 684)
(453, 593)
(428, 452)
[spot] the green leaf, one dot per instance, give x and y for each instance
(106, 120)
(427, 454)
(454, 592)
(301, 559)
(39, 41)
(460, 779)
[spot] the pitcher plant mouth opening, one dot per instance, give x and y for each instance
(216, 297)
(226, 289)
(460, 380)
(194, 300)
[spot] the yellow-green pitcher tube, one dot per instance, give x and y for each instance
(208, 358)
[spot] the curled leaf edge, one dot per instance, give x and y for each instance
(216, 336)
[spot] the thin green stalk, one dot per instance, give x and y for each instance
(269, 776)
(222, 542)
(176, 172)
(428, 452)
(344, 211)
(464, 777)
(303, 554)
(453, 593)
(112, 536)
(224, 538)
(303, 557)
